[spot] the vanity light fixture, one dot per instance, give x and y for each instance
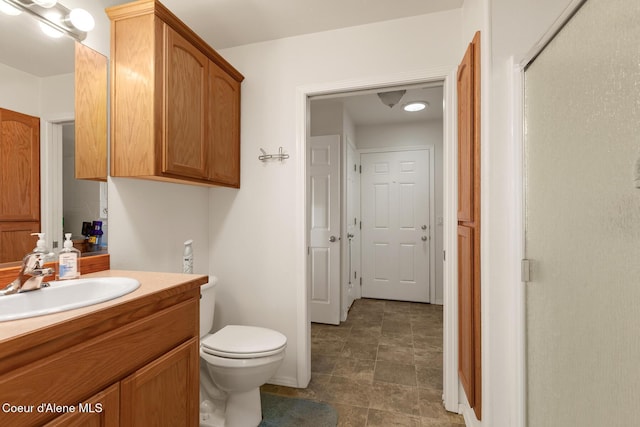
(45, 3)
(7, 9)
(415, 106)
(54, 16)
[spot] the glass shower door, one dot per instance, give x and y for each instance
(582, 205)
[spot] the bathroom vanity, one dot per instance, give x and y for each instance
(129, 361)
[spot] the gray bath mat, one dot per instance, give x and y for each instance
(281, 411)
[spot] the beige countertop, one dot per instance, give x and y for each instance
(153, 286)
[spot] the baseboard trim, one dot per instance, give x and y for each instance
(285, 381)
(469, 416)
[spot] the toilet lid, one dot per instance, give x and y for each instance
(243, 342)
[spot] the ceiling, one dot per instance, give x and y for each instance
(229, 23)
(367, 108)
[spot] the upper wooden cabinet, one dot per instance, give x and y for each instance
(175, 103)
(91, 114)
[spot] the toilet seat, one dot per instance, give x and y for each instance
(243, 342)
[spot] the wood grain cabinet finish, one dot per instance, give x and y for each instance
(16, 239)
(134, 360)
(19, 167)
(175, 101)
(469, 286)
(100, 410)
(91, 72)
(19, 183)
(165, 392)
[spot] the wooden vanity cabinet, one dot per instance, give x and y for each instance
(102, 410)
(135, 365)
(175, 101)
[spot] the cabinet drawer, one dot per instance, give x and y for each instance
(67, 377)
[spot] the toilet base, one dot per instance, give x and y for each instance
(244, 409)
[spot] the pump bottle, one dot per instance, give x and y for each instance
(68, 260)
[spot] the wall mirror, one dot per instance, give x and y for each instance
(37, 78)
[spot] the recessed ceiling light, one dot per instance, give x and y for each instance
(415, 106)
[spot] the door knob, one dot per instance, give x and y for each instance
(424, 227)
(349, 236)
(333, 238)
(424, 238)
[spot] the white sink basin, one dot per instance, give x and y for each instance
(64, 295)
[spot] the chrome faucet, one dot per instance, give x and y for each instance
(31, 274)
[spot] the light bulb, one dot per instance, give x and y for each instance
(48, 29)
(82, 20)
(7, 9)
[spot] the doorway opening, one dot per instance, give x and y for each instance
(375, 236)
(375, 198)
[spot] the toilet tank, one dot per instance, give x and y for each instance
(207, 305)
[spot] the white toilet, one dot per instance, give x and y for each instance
(234, 362)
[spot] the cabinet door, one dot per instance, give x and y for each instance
(466, 353)
(165, 392)
(101, 410)
(184, 141)
(91, 114)
(19, 167)
(16, 240)
(224, 127)
(466, 138)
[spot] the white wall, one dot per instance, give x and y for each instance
(414, 135)
(149, 222)
(57, 96)
(19, 91)
(81, 197)
(253, 231)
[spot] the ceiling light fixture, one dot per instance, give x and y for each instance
(52, 15)
(391, 98)
(415, 106)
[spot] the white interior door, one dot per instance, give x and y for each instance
(323, 160)
(396, 225)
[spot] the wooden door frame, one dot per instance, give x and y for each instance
(303, 335)
(432, 211)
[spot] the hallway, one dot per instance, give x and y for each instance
(381, 367)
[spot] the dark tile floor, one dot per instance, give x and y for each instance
(382, 367)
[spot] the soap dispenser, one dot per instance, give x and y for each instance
(68, 260)
(41, 245)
